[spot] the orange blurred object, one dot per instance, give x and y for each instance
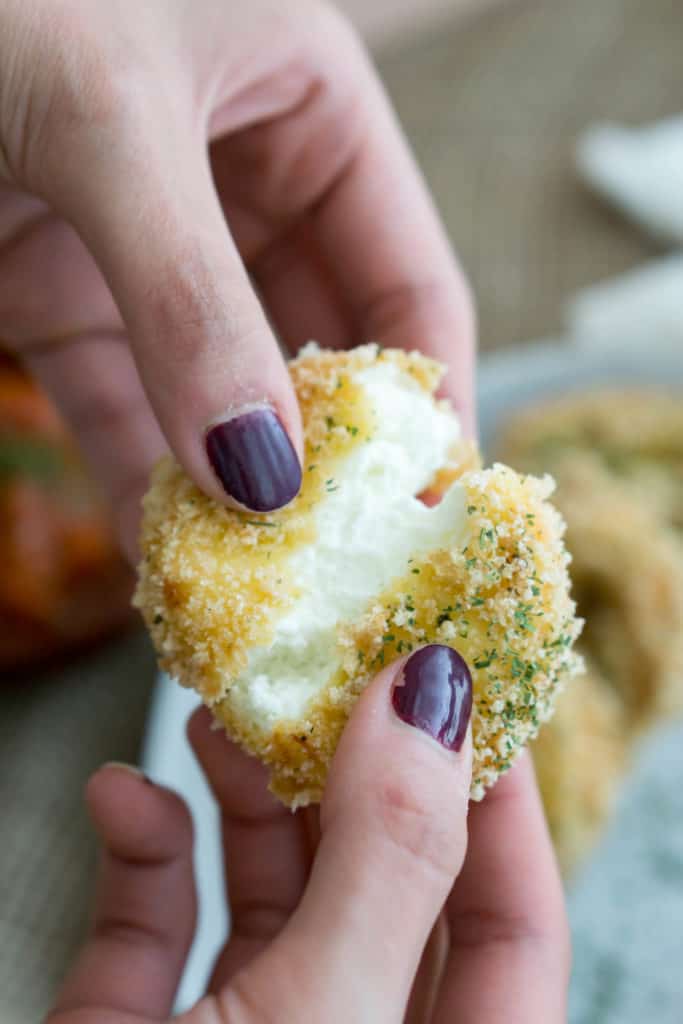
(63, 583)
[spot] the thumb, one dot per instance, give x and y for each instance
(140, 192)
(394, 836)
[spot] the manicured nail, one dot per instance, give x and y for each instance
(255, 461)
(130, 768)
(434, 693)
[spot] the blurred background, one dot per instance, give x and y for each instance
(551, 134)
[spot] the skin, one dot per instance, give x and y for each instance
(180, 181)
(333, 931)
(179, 174)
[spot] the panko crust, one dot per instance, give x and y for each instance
(501, 598)
(212, 585)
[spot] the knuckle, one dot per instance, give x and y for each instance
(412, 819)
(492, 929)
(92, 73)
(242, 1002)
(321, 22)
(182, 818)
(326, 43)
(83, 79)
(330, 22)
(257, 920)
(422, 307)
(90, 92)
(130, 932)
(103, 411)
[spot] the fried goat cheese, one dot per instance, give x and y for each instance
(280, 621)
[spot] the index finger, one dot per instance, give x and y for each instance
(129, 967)
(509, 957)
(355, 249)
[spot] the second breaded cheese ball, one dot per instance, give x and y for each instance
(280, 621)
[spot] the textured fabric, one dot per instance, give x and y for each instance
(493, 107)
(54, 731)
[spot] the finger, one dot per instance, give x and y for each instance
(58, 313)
(95, 384)
(337, 159)
(302, 296)
(298, 288)
(395, 266)
(428, 978)
(509, 958)
(267, 856)
(144, 916)
(393, 838)
(206, 355)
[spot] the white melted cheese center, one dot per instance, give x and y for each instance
(367, 530)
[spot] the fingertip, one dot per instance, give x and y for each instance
(109, 777)
(406, 753)
(394, 808)
(238, 780)
(517, 784)
(199, 726)
(254, 459)
(134, 817)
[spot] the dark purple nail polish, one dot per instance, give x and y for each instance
(436, 695)
(254, 460)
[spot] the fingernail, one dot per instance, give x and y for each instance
(434, 693)
(254, 459)
(130, 768)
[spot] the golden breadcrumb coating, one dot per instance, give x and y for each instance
(214, 583)
(580, 757)
(502, 599)
(213, 580)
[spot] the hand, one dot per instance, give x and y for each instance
(335, 935)
(165, 167)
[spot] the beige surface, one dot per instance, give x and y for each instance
(493, 110)
(493, 107)
(52, 736)
(385, 21)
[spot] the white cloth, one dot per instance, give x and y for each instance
(640, 170)
(642, 307)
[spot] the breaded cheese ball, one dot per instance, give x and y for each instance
(618, 461)
(633, 437)
(280, 621)
(580, 759)
(628, 574)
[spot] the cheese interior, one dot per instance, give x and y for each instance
(369, 525)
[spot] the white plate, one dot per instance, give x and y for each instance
(627, 907)
(640, 170)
